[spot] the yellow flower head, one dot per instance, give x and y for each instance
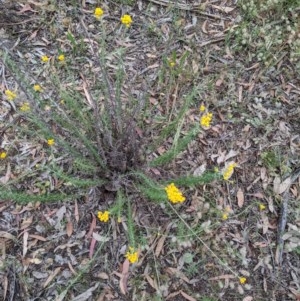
(37, 88)
(50, 142)
(205, 120)
(202, 108)
(242, 280)
(126, 20)
(44, 58)
(25, 107)
(3, 155)
(61, 57)
(228, 171)
(261, 207)
(98, 13)
(174, 194)
(132, 255)
(10, 95)
(172, 63)
(225, 216)
(103, 216)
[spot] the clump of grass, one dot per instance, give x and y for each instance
(269, 29)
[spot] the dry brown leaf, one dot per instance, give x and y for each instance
(172, 295)
(240, 197)
(231, 154)
(265, 286)
(100, 238)
(295, 293)
(102, 275)
(225, 9)
(219, 82)
(25, 8)
(276, 183)
(69, 227)
(71, 268)
(151, 282)
(188, 297)
(92, 247)
(204, 26)
(25, 243)
(256, 65)
(293, 190)
(87, 294)
(124, 277)
(38, 237)
(6, 178)
(248, 298)
(35, 260)
(161, 241)
(199, 171)
(67, 245)
(271, 204)
(26, 223)
(160, 245)
(60, 215)
(284, 185)
(7, 235)
(51, 276)
(87, 94)
(76, 213)
(265, 224)
(33, 35)
(259, 195)
(225, 276)
(3, 208)
(240, 94)
(5, 286)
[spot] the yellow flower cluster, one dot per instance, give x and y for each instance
(103, 216)
(25, 107)
(172, 63)
(228, 171)
(202, 108)
(132, 255)
(37, 88)
(226, 213)
(174, 194)
(126, 20)
(225, 216)
(61, 57)
(261, 207)
(50, 142)
(205, 120)
(98, 13)
(10, 95)
(44, 58)
(3, 155)
(242, 280)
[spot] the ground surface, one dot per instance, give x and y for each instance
(46, 248)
